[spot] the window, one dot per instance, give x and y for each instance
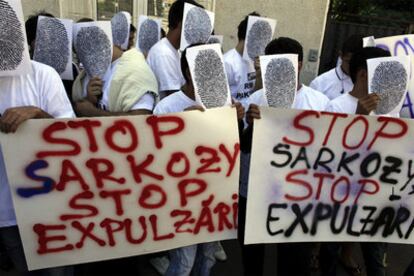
(107, 8)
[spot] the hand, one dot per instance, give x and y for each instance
(240, 110)
(85, 109)
(252, 114)
(14, 117)
(367, 104)
(195, 107)
(94, 89)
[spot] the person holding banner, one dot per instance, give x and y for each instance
(200, 258)
(358, 101)
(240, 72)
(294, 259)
(37, 95)
(129, 88)
(164, 58)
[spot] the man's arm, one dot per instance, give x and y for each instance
(14, 117)
(87, 109)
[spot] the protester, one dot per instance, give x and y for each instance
(37, 95)
(293, 259)
(337, 81)
(129, 88)
(194, 259)
(241, 73)
(31, 30)
(358, 101)
(164, 58)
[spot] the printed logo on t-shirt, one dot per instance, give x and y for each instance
(251, 76)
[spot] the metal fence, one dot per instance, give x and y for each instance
(338, 31)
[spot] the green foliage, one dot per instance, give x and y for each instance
(388, 9)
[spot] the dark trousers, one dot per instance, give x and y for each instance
(252, 255)
(12, 244)
(374, 258)
(410, 269)
(293, 258)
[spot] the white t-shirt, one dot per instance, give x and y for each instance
(241, 76)
(333, 83)
(348, 104)
(343, 104)
(164, 61)
(42, 88)
(174, 103)
(147, 101)
(306, 99)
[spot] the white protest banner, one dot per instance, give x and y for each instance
(399, 45)
(388, 77)
(320, 177)
(14, 52)
(95, 189)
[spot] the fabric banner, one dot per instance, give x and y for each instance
(330, 177)
(95, 189)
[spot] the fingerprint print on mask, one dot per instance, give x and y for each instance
(210, 79)
(280, 83)
(259, 36)
(197, 27)
(390, 83)
(148, 35)
(52, 44)
(94, 50)
(11, 38)
(213, 40)
(120, 28)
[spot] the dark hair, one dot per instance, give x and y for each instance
(359, 59)
(175, 16)
(31, 25)
(352, 45)
(163, 33)
(184, 62)
(85, 19)
(242, 28)
(132, 29)
(284, 45)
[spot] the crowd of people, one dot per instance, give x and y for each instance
(161, 83)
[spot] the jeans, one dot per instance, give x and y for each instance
(11, 242)
(195, 259)
(374, 257)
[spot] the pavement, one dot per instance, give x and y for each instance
(399, 256)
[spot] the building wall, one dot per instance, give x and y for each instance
(34, 6)
(303, 20)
